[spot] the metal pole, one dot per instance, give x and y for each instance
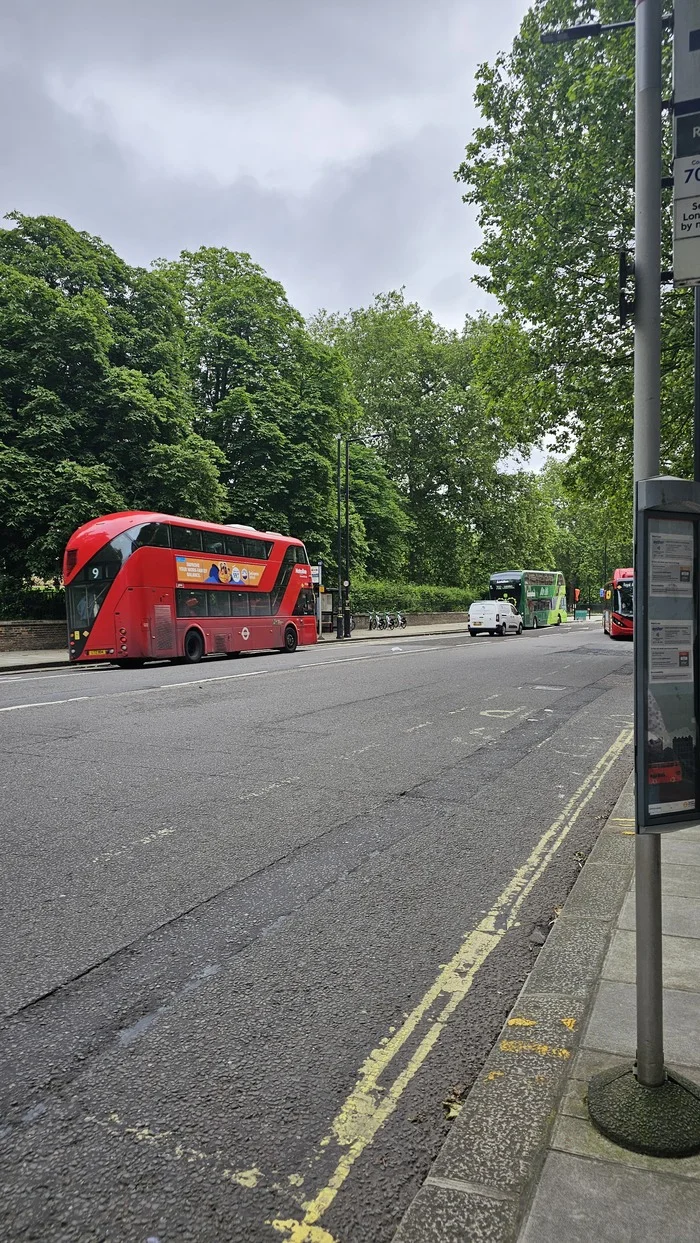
(339, 607)
(346, 618)
(696, 391)
(647, 435)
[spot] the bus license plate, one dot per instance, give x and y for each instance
(476, 623)
(98, 651)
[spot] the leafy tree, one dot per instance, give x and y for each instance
(377, 504)
(95, 413)
(431, 399)
(550, 170)
(592, 536)
(270, 397)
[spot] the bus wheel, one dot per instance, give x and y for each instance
(558, 623)
(194, 647)
(291, 640)
(534, 623)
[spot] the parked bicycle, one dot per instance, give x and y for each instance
(386, 621)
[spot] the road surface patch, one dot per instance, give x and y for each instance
(370, 1103)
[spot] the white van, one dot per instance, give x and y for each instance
(494, 617)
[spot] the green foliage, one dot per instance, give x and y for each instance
(268, 395)
(432, 401)
(95, 414)
(413, 597)
(19, 603)
(593, 537)
(550, 171)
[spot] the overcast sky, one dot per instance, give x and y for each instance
(319, 135)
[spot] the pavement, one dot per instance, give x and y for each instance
(261, 921)
(523, 1161)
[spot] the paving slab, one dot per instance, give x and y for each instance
(680, 914)
(681, 961)
(613, 1023)
(679, 849)
(580, 1200)
(681, 881)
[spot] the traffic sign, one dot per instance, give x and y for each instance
(686, 142)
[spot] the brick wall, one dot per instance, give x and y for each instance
(24, 636)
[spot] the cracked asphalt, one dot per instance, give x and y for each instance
(227, 892)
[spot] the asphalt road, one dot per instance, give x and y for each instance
(263, 919)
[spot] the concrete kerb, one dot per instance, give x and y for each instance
(480, 1186)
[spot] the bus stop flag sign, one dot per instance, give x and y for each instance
(686, 142)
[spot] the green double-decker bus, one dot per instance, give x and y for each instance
(538, 595)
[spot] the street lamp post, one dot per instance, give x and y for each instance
(346, 608)
(339, 606)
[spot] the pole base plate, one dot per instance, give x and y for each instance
(660, 1122)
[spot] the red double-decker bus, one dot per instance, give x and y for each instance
(618, 605)
(143, 586)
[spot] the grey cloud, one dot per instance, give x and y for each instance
(259, 83)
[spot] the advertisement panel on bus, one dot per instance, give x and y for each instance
(147, 586)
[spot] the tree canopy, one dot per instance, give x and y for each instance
(95, 413)
(197, 388)
(550, 170)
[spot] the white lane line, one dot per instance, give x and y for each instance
(227, 677)
(146, 690)
(81, 672)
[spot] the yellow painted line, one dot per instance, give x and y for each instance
(524, 1046)
(521, 1023)
(570, 1023)
(370, 1103)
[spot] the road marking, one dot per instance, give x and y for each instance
(145, 690)
(502, 713)
(226, 677)
(370, 1103)
(523, 1046)
(412, 728)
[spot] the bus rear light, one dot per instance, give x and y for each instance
(122, 630)
(123, 647)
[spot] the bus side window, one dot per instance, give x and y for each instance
(152, 535)
(234, 546)
(190, 602)
(187, 538)
(213, 543)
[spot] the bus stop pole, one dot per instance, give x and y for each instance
(647, 436)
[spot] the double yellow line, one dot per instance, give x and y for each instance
(370, 1104)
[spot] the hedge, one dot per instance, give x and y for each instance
(31, 603)
(411, 597)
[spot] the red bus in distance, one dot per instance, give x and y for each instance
(145, 586)
(618, 605)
